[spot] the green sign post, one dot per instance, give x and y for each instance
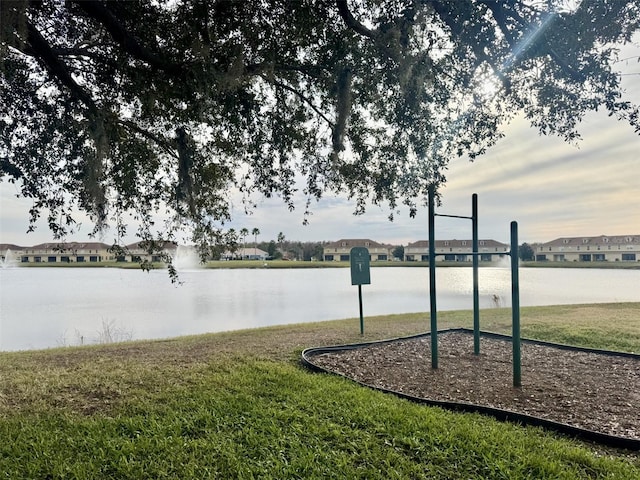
(360, 274)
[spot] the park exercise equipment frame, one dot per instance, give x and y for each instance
(515, 286)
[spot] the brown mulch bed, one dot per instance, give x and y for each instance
(587, 390)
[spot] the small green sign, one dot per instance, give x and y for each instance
(360, 274)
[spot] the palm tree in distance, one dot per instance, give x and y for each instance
(281, 243)
(255, 232)
(243, 233)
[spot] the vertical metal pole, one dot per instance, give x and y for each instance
(432, 279)
(515, 306)
(476, 296)
(361, 317)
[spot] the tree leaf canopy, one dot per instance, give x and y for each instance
(154, 107)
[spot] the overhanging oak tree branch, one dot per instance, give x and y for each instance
(157, 106)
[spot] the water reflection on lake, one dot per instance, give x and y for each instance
(48, 307)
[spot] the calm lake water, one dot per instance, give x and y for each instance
(50, 307)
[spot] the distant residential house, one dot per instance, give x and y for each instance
(340, 251)
(141, 251)
(66, 252)
(455, 251)
(603, 248)
(249, 253)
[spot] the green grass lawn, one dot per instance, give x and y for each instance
(239, 405)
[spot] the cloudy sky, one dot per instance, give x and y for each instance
(552, 189)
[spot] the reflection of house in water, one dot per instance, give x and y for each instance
(616, 248)
(456, 251)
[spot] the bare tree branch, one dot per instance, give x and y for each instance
(283, 85)
(351, 21)
(99, 12)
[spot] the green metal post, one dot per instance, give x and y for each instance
(361, 317)
(515, 306)
(476, 296)
(432, 279)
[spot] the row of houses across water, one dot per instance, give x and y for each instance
(84, 252)
(98, 252)
(446, 250)
(602, 248)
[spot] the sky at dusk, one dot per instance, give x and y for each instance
(551, 188)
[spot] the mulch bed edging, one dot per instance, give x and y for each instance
(497, 413)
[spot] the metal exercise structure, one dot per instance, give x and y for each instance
(515, 287)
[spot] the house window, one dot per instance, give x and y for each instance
(366, 244)
(481, 242)
(344, 244)
(464, 243)
(628, 257)
(605, 240)
(565, 240)
(585, 240)
(446, 244)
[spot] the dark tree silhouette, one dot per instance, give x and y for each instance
(162, 107)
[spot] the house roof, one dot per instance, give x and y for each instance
(600, 240)
(355, 242)
(10, 246)
(142, 245)
(69, 246)
(457, 243)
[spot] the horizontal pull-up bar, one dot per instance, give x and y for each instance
(452, 216)
(515, 288)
